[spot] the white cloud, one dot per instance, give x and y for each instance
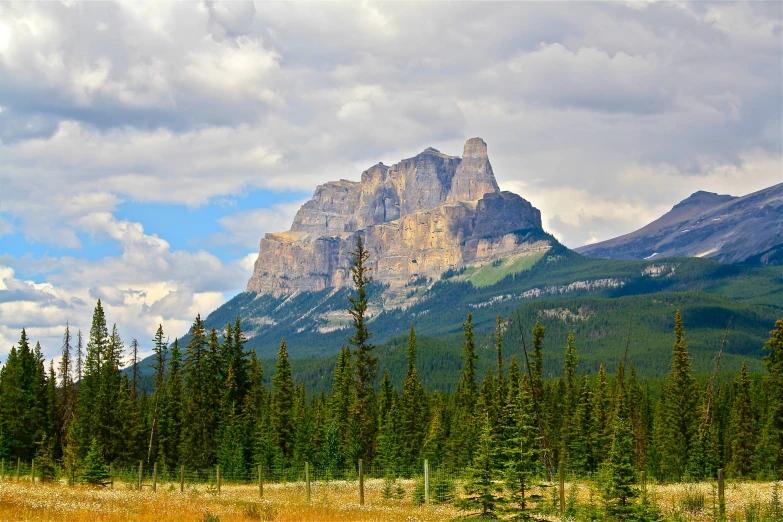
(146, 285)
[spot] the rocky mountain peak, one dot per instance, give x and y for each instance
(419, 217)
(474, 148)
(702, 197)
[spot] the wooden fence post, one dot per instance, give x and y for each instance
(154, 477)
(427, 482)
(217, 476)
(361, 483)
(307, 480)
(32, 471)
(141, 469)
(182, 479)
(721, 494)
(261, 480)
(561, 479)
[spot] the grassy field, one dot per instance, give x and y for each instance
(338, 501)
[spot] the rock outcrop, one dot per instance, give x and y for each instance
(731, 229)
(418, 218)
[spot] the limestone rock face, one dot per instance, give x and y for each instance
(419, 217)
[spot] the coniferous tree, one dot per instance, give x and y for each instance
(87, 423)
(412, 407)
(770, 456)
(283, 404)
(582, 445)
(171, 407)
(743, 425)
(481, 490)
(621, 473)
(679, 416)
(66, 401)
(197, 447)
(366, 365)
(94, 469)
(160, 349)
(602, 417)
(463, 428)
(521, 456)
(230, 444)
(79, 356)
(502, 391)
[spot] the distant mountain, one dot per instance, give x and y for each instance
(729, 229)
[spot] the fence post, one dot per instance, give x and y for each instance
(182, 479)
(361, 483)
(141, 469)
(217, 476)
(154, 477)
(261, 481)
(721, 494)
(307, 480)
(426, 481)
(561, 479)
(32, 471)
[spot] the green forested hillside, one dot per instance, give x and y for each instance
(600, 327)
(611, 292)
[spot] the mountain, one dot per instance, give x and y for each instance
(418, 218)
(747, 229)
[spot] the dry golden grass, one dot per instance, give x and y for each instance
(333, 501)
(337, 501)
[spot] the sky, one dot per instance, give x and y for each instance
(146, 147)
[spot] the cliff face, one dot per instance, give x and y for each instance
(419, 217)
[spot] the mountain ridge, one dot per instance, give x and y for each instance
(745, 229)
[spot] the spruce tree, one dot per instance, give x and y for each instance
(467, 390)
(66, 400)
(88, 425)
(520, 451)
(366, 365)
(412, 408)
(94, 469)
(196, 444)
(283, 404)
(743, 424)
(680, 414)
(771, 445)
(481, 490)
(582, 444)
(171, 408)
(621, 473)
(463, 427)
(502, 391)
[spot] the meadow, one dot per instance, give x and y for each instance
(338, 501)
